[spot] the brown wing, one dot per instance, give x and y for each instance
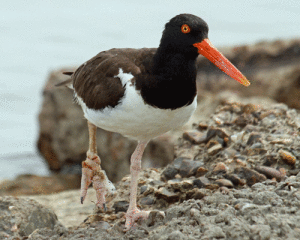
(95, 82)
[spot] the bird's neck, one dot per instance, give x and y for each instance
(172, 83)
(172, 64)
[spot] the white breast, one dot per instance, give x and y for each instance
(135, 119)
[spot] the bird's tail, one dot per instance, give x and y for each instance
(68, 82)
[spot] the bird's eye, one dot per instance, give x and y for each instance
(185, 28)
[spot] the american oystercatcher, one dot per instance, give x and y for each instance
(142, 93)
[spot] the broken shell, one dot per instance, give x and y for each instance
(201, 171)
(214, 149)
(270, 172)
(287, 157)
(224, 182)
(282, 141)
(220, 167)
(194, 136)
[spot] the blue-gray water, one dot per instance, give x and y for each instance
(39, 36)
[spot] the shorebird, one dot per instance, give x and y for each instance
(141, 94)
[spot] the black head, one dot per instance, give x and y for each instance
(181, 32)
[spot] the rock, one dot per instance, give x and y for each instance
(214, 232)
(194, 136)
(168, 196)
(216, 131)
(198, 183)
(155, 218)
(63, 136)
(267, 197)
(214, 149)
(169, 173)
(196, 194)
(176, 235)
(220, 168)
(121, 206)
(201, 171)
(180, 185)
(143, 189)
(147, 201)
(21, 217)
(249, 175)
(27, 184)
(202, 126)
(253, 138)
(235, 179)
(224, 182)
(189, 167)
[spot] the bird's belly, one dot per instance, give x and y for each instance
(135, 119)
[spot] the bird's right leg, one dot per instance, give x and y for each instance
(92, 172)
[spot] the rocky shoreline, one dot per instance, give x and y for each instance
(235, 176)
(234, 172)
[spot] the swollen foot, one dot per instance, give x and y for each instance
(134, 215)
(92, 173)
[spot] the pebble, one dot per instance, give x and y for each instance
(194, 137)
(121, 206)
(224, 182)
(243, 120)
(172, 169)
(251, 176)
(201, 171)
(165, 194)
(147, 201)
(214, 149)
(235, 179)
(143, 189)
(253, 138)
(176, 235)
(189, 167)
(155, 218)
(220, 167)
(197, 194)
(198, 183)
(202, 126)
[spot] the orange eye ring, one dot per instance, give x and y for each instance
(185, 28)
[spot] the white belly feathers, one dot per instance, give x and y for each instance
(135, 119)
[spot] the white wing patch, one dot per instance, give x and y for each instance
(125, 77)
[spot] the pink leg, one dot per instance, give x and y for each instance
(92, 172)
(133, 213)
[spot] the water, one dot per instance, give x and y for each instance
(39, 36)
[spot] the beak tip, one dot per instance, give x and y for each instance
(245, 82)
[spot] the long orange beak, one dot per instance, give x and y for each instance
(212, 54)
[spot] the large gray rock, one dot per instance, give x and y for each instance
(63, 137)
(20, 217)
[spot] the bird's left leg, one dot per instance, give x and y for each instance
(92, 172)
(133, 213)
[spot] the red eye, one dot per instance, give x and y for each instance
(185, 28)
